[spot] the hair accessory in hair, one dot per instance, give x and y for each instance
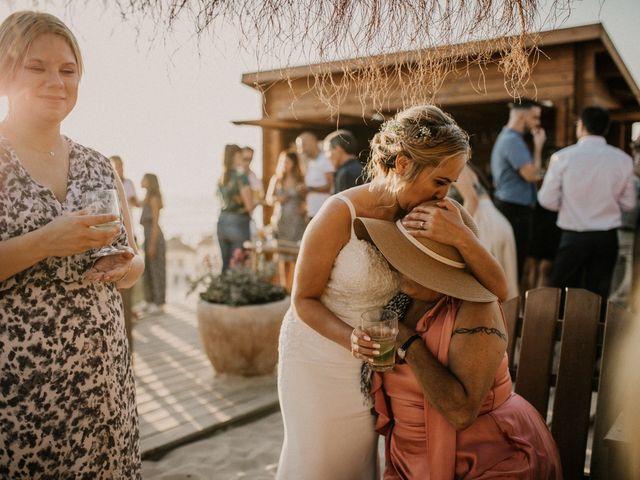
(419, 132)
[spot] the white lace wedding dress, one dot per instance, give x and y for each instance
(328, 426)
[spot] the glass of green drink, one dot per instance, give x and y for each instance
(382, 326)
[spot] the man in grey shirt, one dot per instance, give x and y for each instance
(516, 170)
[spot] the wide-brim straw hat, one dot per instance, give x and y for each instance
(431, 264)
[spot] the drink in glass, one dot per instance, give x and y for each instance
(100, 202)
(382, 327)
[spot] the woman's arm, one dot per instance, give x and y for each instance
(65, 235)
(443, 223)
(247, 198)
(476, 350)
(271, 197)
(154, 207)
(324, 238)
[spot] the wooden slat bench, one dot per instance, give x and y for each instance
(571, 318)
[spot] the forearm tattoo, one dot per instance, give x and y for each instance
(486, 330)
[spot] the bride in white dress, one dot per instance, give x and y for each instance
(328, 424)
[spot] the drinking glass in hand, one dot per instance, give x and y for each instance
(101, 202)
(382, 326)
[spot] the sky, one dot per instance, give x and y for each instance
(166, 105)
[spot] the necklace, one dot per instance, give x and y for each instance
(51, 153)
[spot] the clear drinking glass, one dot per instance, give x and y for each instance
(100, 202)
(382, 326)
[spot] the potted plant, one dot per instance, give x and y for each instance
(239, 316)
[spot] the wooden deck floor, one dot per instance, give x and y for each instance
(180, 397)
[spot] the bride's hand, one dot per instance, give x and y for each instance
(362, 347)
(440, 221)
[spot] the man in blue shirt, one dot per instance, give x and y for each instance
(341, 147)
(516, 170)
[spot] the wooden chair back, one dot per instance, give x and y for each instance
(574, 323)
(617, 323)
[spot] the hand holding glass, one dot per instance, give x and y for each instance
(382, 326)
(100, 202)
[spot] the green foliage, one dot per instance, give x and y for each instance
(239, 286)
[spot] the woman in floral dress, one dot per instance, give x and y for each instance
(286, 193)
(67, 398)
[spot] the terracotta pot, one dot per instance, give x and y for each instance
(241, 340)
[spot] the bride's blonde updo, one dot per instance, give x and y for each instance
(424, 134)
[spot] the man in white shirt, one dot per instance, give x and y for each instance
(318, 177)
(589, 184)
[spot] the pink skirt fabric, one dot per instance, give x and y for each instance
(509, 439)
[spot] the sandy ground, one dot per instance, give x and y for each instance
(248, 451)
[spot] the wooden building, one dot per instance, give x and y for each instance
(577, 67)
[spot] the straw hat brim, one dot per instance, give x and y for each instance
(405, 257)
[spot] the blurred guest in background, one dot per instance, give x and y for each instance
(623, 271)
(132, 200)
(318, 172)
(154, 245)
(236, 204)
(542, 248)
(255, 183)
(129, 186)
(494, 230)
(341, 147)
(257, 190)
(589, 184)
(634, 301)
(286, 193)
(515, 171)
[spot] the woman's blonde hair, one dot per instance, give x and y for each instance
(424, 134)
(17, 33)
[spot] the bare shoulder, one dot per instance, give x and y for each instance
(476, 314)
(332, 224)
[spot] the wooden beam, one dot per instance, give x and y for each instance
(627, 116)
(615, 56)
(260, 79)
(277, 124)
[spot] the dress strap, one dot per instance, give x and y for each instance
(352, 210)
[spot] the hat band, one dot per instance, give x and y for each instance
(423, 248)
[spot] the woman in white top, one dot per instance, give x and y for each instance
(329, 430)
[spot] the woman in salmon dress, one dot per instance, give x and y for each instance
(448, 410)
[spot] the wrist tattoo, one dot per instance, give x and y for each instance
(485, 330)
